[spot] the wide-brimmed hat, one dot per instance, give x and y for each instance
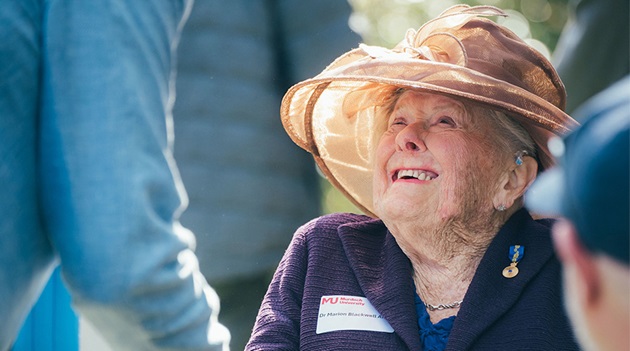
(336, 115)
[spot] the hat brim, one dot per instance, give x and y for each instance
(343, 143)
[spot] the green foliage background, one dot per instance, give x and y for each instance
(384, 23)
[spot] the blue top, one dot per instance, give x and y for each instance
(432, 336)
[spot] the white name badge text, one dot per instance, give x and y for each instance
(340, 312)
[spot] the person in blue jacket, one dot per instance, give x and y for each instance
(87, 175)
(436, 140)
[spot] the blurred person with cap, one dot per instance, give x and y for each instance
(590, 190)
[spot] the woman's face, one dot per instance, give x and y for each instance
(435, 162)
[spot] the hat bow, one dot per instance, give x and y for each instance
(431, 43)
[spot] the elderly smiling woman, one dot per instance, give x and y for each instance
(436, 140)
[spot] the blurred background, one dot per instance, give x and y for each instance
(249, 186)
(384, 23)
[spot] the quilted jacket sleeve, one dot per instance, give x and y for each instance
(278, 323)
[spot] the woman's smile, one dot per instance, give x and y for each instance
(431, 158)
(413, 175)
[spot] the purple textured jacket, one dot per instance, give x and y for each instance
(345, 254)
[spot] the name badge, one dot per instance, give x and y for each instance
(340, 312)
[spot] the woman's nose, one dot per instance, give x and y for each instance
(411, 138)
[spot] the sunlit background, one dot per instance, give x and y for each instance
(384, 23)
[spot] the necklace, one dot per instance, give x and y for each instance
(443, 306)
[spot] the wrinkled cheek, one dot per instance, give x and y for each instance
(379, 188)
(379, 168)
(448, 206)
(377, 191)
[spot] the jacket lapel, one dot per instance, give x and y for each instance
(384, 275)
(490, 295)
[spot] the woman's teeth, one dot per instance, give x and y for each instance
(414, 173)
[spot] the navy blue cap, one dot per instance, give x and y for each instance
(590, 184)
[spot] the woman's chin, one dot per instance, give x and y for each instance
(401, 209)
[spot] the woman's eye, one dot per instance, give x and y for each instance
(447, 121)
(398, 122)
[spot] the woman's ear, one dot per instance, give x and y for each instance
(516, 181)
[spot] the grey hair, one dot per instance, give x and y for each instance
(510, 134)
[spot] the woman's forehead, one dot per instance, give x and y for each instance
(428, 103)
(426, 100)
(470, 113)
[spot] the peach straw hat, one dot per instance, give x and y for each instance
(336, 115)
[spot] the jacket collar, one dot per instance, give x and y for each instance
(384, 274)
(490, 294)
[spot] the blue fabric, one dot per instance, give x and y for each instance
(52, 325)
(87, 176)
(432, 336)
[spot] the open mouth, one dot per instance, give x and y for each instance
(418, 174)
